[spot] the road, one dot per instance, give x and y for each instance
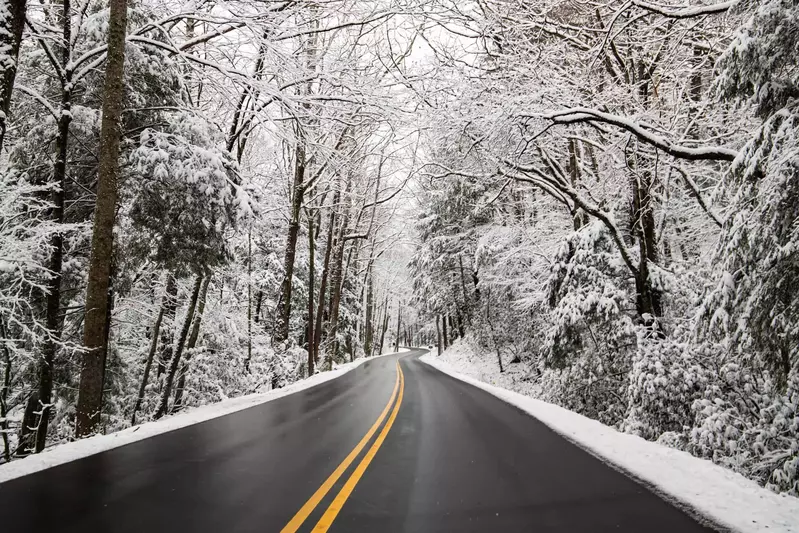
(446, 457)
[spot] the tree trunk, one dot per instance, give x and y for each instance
(317, 337)
(336, 283)
(12, 22)
(249, 300)
(444, 331)
(284, 317)
(90, 393)
(467, 301)
(648, 299)
(173, 365)
(4, 391)
(311, 276)
(438, 334)
(30, 421)
(384, 327)
(150, 356)
(368, 326)
(168, 329)
(578, 216)
(53, 319)
(399, 324)
(192, 342)
(259, 297)
(493, 334)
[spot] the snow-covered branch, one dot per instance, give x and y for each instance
(686, 12)
(642, 131)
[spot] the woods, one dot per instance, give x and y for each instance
(613, 181)
(202, 200)
(191, 197)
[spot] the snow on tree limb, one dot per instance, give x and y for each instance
(686, 12)
(642, 132)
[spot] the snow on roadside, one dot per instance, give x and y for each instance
(704, 489)
(100, 443)
(461, 357)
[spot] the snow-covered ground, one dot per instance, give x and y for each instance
(705, 490)
(85, 447)
(462, 357)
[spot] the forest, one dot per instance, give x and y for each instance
(203, 199)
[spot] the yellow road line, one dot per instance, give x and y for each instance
(295, 523)
(341, 498)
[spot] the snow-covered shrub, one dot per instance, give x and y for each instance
(745, 424)
(591, 335)
(590, 294)
(667, 376)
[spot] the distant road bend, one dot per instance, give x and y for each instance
(393, 445)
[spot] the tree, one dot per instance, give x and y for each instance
(12, 23)
(95, 337)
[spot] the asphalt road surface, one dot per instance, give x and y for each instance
(377, 450)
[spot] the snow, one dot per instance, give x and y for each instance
(100, 443)
(709, 492)
(688, 12)
(642, 131)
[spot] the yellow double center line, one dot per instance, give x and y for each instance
(338, 502)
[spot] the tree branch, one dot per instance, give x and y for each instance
(687, 12)
(642, 131)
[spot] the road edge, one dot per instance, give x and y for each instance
(72, 451)
(698, 508)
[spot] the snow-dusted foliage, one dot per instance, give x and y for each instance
(640, 216)
(604, 201)
(259, 142)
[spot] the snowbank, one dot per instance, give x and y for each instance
(100, 443)
(705, 490)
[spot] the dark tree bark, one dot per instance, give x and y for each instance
(369, 326)
(452, 328)
(173, 365)
(259, 297)
(53, 319)
(317, 337)
(90, 393)
(444, 331)
(4, 392)
(493, 334)
(12, 22)
(384, 327)
(297, 193)
(191, 344)
(578, 216)
(438, 334)
(249, 301)
(30, 422)
(311, 276)
(336, 283)
(165, 302)
(399, 324)
(168, 327)
(648, 299)
(467, 301)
